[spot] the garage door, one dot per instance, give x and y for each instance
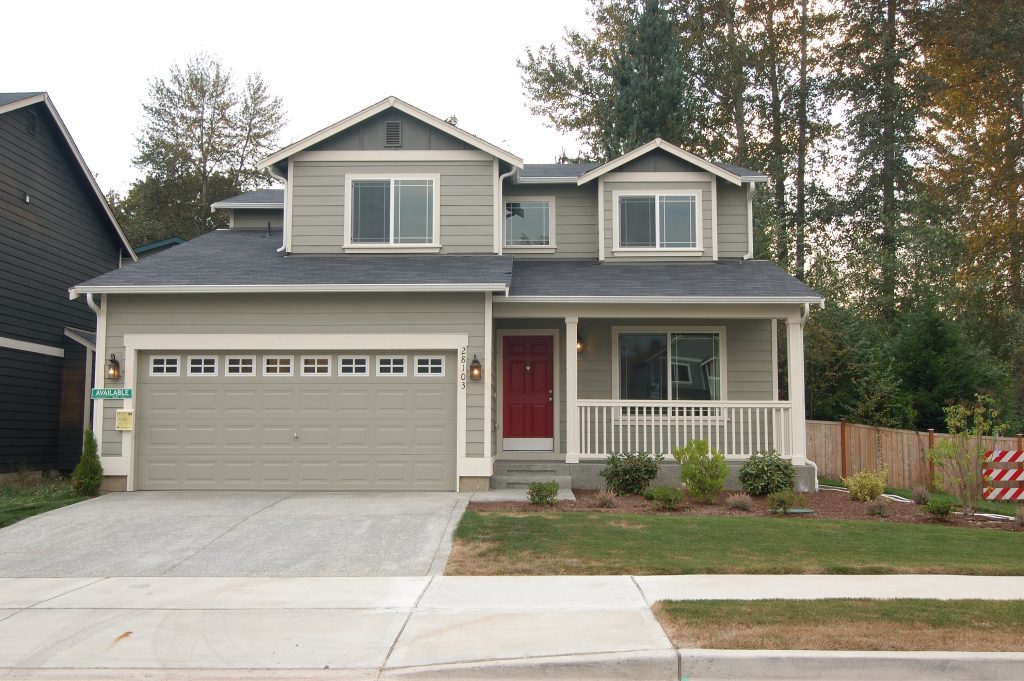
(296, 421)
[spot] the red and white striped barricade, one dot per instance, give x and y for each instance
(1004, 475)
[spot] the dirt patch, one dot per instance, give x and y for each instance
(825, 504)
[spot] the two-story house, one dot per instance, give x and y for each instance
(418, 309)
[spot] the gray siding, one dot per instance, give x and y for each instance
(732, 220)
(575, 218)
(610, 208)
(286, 313)
(467, 202)
(659, 161)
(258, 219)
(369, 136)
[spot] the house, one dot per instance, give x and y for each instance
(55, 230)
(418, 309)
(154, 247)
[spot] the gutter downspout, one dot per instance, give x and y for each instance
(284, 220)
(750, 221)
(501, 209)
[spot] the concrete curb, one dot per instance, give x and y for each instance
(642, 665)
(841, 665)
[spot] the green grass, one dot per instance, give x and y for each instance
(613, 543)
(1000, 507)
(19, 500)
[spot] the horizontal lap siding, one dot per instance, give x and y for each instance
(575, 218)
(610, 208)
(382, 313)
(29, 410)
(732, 221)
(258, 219)
(467, 203)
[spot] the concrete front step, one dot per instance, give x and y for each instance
(523, 480)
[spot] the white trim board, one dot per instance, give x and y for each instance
(672, 149)
(395, 155)
(76, 335)
(27, 346)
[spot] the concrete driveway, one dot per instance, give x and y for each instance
(237, 534)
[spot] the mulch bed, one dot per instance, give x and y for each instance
(826, 504)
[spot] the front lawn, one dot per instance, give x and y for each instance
(21, 499)
(845, 624)
(584, 543)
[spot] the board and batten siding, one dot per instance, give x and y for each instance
(257, 219)
(326, 313)
(466, 196)
(575, 227)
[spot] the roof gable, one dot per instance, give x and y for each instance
(381, 106)
(733, 174)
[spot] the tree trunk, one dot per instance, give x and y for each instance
(737, 85)
(887, 237)
(801, 151)
(778, 163)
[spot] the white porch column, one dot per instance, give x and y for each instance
(795, 361)
(572, 426)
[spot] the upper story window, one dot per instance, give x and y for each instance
(530, 222)
(656, 220)
(392, 211)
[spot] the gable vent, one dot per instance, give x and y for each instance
(393, 133)
(33, 122)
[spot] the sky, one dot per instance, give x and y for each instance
(326, 60)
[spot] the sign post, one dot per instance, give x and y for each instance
(111, 393)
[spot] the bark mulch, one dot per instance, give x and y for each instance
(825, 504)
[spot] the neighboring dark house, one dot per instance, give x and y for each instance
(154, 247)
(55, 230)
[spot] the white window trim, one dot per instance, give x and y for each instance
(697, 194)
(723, 368)
(177, 366)
(216, 366)
(552, 222)
(405, 365)
(433, 246)
(291, 365)
(366, 367)
(416, 366)
(302, 365)
(227, 365)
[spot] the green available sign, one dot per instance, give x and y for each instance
(111, 393)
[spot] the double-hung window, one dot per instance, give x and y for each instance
(530, 222)
(659, 220)
(392, 211)
(669, 365)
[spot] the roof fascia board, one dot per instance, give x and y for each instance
(244, 206)
(20, 103)
(377, 108)
(659, 143)
(633, 300)
(546, 180)
(292, 288)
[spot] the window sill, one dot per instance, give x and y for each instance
(662, 252)
(398, 248)
(529, 249)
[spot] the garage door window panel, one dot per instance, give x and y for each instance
(430, 366)
(353, 366)
(239, 366)
(164, 366)
(204, 365)
(391, 366)
(316, 366)
(277, 365)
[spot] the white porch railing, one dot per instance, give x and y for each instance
(737, 429)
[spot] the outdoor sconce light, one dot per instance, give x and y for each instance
(113, 368)
(579, 343)
(475, 371)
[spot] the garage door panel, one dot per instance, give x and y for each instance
(354, 432)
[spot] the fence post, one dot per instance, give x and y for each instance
(931, 464)
(842, 446)
(1020, 436)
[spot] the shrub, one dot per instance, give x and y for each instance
(765, 473)
(543, 493)
(784, 501)
(606, 500)
(879, 507)
(666, 498)
(959, 459)
(939, 508)
(88, 474)
(703, 470)
(630, 473)
(867, 485)
(1018, 514)
(740, 502)
(920, 495)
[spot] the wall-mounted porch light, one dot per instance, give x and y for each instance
(113, 368)
(475, 370)
(579, 343)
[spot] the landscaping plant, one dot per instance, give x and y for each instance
(867, 485)
(703, 470)
(879, 507)
(785, 501)
(939, 508)
(88, 474)
(543, 493)
(630, 473)
(666, 498)
(959, 459)
(920, 495)
(765, 473)
(606, 500)
(739, 502)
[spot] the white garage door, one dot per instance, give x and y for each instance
(296, 421)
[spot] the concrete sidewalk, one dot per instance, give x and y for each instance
(400, 627)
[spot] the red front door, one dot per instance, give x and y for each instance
(528, 392)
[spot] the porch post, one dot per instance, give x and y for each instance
(572, 429)
(795, 356)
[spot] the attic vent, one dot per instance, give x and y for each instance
(393, 133)
(33, 122)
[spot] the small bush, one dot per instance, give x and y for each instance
(88, 474)
(784, 501)
(703, 470)
(666, 498)
(765, 473)
(939, 508)
(630, 473)
(740, 502)
(867, 485)
(543, 493)
(606, 500)
(879, 507)
(1018, 514)
(920, 495)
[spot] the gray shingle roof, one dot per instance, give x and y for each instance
(11, 97)
(739, 171)
(228, 258)
(592, 279)
(559, 170)
(257, 197)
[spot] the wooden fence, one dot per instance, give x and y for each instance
(842, 449)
